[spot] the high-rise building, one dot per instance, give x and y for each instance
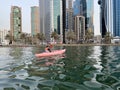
(15, 22)
(64, 18)
(46, 18)
(79, 27)
(35, 22)
(57, 17)
(116, 17)
(69, 16)
(80, 8)
(76, 7)
(90, 13)
(106, 17)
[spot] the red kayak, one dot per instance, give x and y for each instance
(53, 53)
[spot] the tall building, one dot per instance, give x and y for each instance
(15, 22)
(116, 17)
(46, 18)
(3, 34)
(69, 16)
(80, 8)
(106, 17)
(35, 22)
(90, 13)
(76, 7)
(57, 17)
(79, 27)
(64, 18)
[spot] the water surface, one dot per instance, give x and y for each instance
(83, 68)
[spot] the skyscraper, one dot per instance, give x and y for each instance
(15, 22)
(69, 15)
(80, 8)
(57, 17)
(106, 17)
(64, 18)
(35, 22)
(90, 13)
(116, 17)
(46, 18)
(79, 27)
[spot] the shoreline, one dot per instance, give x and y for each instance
(61, 45)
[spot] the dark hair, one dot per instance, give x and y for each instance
(47, 46)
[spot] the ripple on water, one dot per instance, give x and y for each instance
(23, 83)
(92, 84)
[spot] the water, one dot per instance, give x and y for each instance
(83, 68)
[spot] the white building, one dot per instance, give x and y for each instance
(3, 33)
(80, 27)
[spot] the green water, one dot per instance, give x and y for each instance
(82, 68)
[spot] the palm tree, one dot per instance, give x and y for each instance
(89, 35)
(40, 36)
(107, 37)
(9, 37)
(70, 36)
(23, 37)
(55, 36)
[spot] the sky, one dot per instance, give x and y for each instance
(5, 9)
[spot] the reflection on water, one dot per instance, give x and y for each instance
(82, 68)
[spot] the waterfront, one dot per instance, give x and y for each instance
(83, 68)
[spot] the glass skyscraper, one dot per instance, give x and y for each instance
(90, 13)
(116, 17)
(64, 18)
(76, 7)
(57, 9)
(57, 16)
(80, 8)
(106, 17)
(69, 16)
(46, 18)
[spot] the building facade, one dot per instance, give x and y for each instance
(106, 17)
(15, 22)
(116, 17)
(46, 18)
(57, 17)
(35, 22)
(3, 34)
(90, 14)
(79, 27)
(64, 18)
(80, 8)
(69, 16)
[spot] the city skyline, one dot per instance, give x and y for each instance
(26, 10)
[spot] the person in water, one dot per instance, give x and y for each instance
(48, 48)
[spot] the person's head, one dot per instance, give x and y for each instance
(47, 46)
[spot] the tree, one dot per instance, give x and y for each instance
(23, 37)
(70, 36)
(40, 36)
(89, 36)
(9, 37)
(55, 36)
(107, 38)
